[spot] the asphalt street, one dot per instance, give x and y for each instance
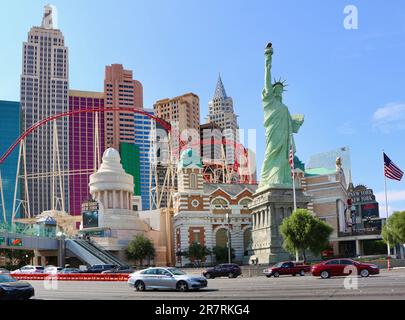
(387, 285)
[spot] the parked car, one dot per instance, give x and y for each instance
(121, 269)
(343, 267)
(99, 268)
(70, 271)
(52, 270)
(29, 270)
(287, 268)
(229, 270)
(4, 271)
(165, 278)
(190, 265)
(12, 289)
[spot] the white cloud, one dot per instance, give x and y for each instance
(383, 210)
(393, 196)
(390, 118)
(396, 197)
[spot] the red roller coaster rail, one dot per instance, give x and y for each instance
(163, 123)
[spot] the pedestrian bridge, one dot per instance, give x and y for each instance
(24, 237)
(38, 238)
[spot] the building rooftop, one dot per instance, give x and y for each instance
(319, 172)
(232, 189)
(220, 90)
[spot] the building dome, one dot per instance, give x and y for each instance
(111, 154)
(111, 175)
(111, 162)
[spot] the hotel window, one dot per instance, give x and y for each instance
(197, 236)
(193, 181)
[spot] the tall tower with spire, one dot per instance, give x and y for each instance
(221, 112)
(44, 93)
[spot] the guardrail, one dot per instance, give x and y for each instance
(117, 277)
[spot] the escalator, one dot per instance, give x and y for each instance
(91, 254)
(108, 254)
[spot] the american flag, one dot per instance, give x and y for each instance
(291, 159)
(391, 171)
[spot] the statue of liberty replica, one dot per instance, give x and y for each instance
(280, 126)
(274, 200)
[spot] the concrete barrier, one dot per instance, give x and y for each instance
(117, 277)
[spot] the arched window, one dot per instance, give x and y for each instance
(245, 202)
(219, 203)
(221, 238)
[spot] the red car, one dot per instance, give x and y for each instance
(343, 267)
(287, 268)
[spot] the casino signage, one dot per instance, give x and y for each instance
(363, 196)
(15, 242)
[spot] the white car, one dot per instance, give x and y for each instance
(29, 270)
(165, 278)
(52, 270)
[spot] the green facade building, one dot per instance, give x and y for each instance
(130, 159)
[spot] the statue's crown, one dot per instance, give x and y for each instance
(280, 82)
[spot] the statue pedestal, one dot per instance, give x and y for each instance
(269, 208)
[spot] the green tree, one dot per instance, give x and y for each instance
(196, 252)
(141, 248)
(221, 254)
(18, 258)
(303, 232)
(393, 231)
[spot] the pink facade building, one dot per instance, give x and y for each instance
(121, 91)
(82, 138)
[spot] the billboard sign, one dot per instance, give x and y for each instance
(370, 211)
(90, 219)
(15, 242)
(90, 214)
(2, 241)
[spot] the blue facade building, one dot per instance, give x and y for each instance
(9, 132)
(143, 128)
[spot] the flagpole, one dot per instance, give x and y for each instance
(387, 213)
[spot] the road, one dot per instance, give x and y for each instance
(388, 285)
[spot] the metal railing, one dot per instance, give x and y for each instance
(361, 232)
(28, 230)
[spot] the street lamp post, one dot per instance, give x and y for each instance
(229, 238)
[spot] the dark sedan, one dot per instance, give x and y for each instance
(99, 268)
(12, 289)
(122, 269)
(229, 270)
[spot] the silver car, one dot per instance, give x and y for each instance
(165, 278)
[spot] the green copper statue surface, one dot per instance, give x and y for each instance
(279, 125)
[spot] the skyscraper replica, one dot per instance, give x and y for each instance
(44, 92)
(221, 112)
(121, 91)
(144, 128)
(86, 144)
(9, 130)
(183, 114)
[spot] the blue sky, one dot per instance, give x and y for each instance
(349, 84)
